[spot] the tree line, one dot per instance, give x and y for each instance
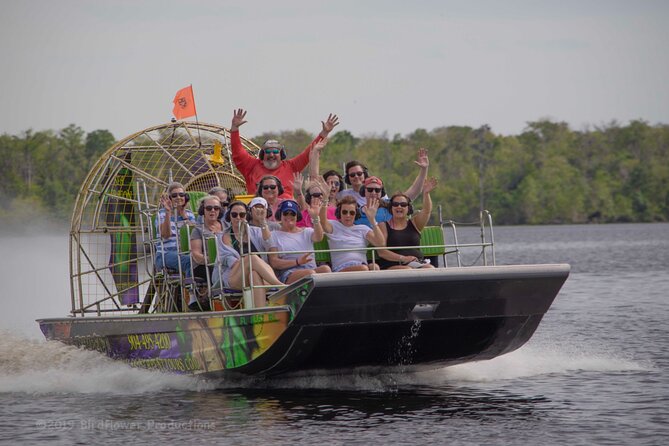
(547, 174)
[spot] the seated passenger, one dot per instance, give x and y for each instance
(235, 267)
(315, 189)
(270, 188)
(225, 196)
(335, 184)
(291, 267)
(357, 173)
(211, 211)
(373, 189)
(259, 214)
(400, 230)
(240, 233)
(172, 215)
(343, 233)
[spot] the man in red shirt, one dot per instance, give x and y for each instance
(271, 159)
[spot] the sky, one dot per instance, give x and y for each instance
(382, 66)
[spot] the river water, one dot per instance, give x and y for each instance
(595, 371)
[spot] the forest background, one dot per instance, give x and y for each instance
(548, 174)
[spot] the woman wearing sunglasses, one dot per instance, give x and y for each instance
(234, 256)
(270, 188)
(315, 189)
(290, 266)
(225, 196)
(343, 233)
(401, 230)
(172, 215)
(212, 213)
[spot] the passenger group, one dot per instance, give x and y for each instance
(288, 214)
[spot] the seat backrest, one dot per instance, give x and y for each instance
(194, 199)
(322, 257)
(184, 238)
(432, 235)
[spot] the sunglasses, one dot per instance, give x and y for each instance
(178, 194)
(347, 212)
(269, 186)
(356, 174)
(272, 151)
(212, 208)
(373, 189)
(402, 204)
(238, 214)
(334, 183)
(317, 194)
(225, 204)
(290, 213)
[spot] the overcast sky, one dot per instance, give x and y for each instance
(382, 66)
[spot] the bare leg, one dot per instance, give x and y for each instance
(374, 267)
(259, 293)
(298, 274)
(355, 268)
(323, 269)
(263, 269)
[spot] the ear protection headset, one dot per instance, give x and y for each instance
(281, 147)
(350, 164)
(200, 209)
(176, 185)
(358, 214)
(267, 177)
(332, 173)
(235, 203)
(409, 208)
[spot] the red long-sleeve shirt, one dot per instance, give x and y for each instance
(253, 169)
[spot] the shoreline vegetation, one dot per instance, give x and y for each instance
(548, 174)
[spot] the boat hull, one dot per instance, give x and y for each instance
(417, 319)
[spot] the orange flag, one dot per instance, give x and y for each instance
(184, 103)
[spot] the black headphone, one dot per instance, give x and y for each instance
(281, 147)
(267, 177)
(358, 214)
(235, 203)
(409, 208)
(331, 173)
(354, 163)
(200, 209)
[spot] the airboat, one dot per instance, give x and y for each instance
(408, 320)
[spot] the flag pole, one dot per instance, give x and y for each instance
(197, 123)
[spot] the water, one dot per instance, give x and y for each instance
(594, 373)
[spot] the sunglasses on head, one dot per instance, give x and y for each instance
(374, 189)
(402, 204)
(238, 214)
(269, 186)
(178, 194)
(272, 151)
(356, 174)
(347, 212)
(291, 213)
(212, 208)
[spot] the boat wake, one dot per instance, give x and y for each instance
(36, 367)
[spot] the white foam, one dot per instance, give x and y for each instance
(32, 366)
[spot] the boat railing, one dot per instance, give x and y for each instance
(168, 288)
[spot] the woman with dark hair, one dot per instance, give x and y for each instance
(237, 265)
(343, 233)
(335, 184)
(270, 188)
(401, 230)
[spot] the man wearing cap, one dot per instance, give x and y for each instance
(271, 159)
